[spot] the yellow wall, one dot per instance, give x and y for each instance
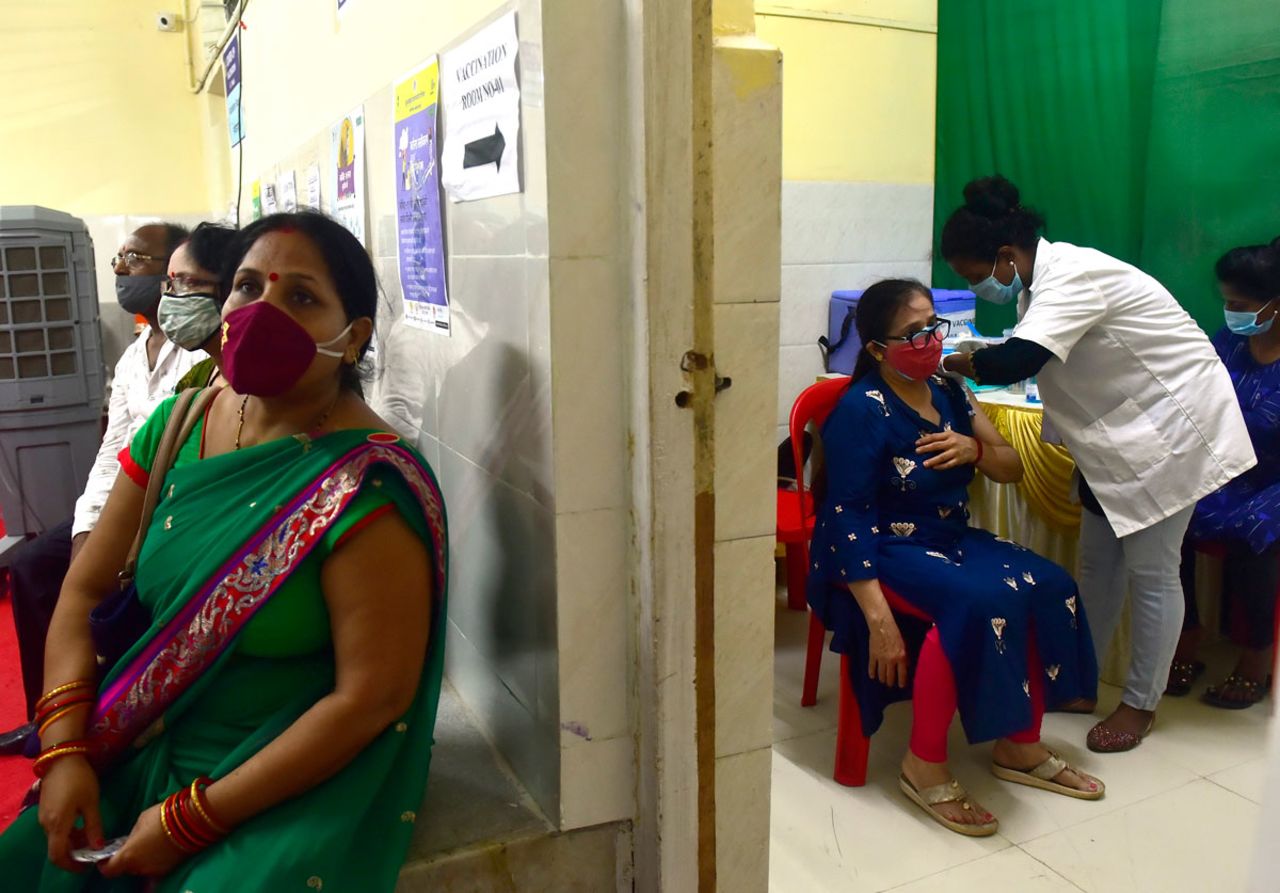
(858, 87)
(98, 118)
(732, 16)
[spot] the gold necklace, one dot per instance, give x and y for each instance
(316, 427)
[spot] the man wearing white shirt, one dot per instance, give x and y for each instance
(145, 375)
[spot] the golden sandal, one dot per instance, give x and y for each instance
(1043, 776)
(947, 792)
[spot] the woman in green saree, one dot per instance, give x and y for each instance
(295, 571)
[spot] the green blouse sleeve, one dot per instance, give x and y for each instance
(383, 490)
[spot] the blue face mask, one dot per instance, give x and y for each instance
(993, 290)
(1243, 323)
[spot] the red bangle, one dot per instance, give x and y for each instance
(51, 755)
(48, 718)
(57, 706)
(978, 441)
(183, 812)
(171, 830)
(78, 689)
(187, 821)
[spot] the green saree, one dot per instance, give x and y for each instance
(239, 648)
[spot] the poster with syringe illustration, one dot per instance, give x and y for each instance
(419, 235)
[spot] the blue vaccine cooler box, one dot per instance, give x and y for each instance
(957, 306)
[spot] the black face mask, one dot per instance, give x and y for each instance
(139, 294)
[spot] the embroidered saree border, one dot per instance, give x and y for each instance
(194, 639)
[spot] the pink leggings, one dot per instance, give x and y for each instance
(934, 701)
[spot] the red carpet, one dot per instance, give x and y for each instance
(15, 772)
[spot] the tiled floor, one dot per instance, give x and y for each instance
(1180, 812)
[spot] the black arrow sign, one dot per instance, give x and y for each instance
(487, 150)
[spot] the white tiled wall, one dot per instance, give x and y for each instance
(747, 135)
(587, 176)
(479, 404)
(838, 235)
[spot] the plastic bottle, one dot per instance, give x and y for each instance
(1033, 390)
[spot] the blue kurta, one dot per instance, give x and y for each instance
(886, 516)
(1248, 508)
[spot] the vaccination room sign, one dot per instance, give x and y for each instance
(481, 96)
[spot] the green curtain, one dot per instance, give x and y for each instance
(1149, 129)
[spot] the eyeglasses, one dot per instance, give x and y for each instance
(920, 340)
(181, 286)
(134, 260)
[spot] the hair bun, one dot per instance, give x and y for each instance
(991, 197)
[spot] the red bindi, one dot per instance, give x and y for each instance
(274, 277)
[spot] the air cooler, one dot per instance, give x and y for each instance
(51, 375)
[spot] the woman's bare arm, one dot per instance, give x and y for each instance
(69, 653)
(1000, 461)
(887, 660)
(378, 590)
(69, 791)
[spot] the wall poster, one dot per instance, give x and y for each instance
(419, 235)
(346, 172)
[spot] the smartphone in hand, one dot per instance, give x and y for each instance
(92, 857)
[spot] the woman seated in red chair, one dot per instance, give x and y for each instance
(1244, 516)
(901, 448)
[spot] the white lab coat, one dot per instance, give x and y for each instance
(1134, 388)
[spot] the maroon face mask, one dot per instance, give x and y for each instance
(265, 352)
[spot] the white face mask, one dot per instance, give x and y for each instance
(322, 346)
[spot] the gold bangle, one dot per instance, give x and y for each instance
(168, 831)
(55, 753)
(61, 689)
(60, 713)
(196, 793)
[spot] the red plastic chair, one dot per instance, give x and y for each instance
(795, 507)
(814, 405)
(853, 747)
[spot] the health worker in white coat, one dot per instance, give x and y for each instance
(1136, 392)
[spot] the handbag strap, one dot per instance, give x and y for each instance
(187, 410)
(825, 344)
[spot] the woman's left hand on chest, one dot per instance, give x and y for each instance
(948, 448)
(148, 851)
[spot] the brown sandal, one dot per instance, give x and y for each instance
(947, 792)
(1236, 692)
(1182, 676)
